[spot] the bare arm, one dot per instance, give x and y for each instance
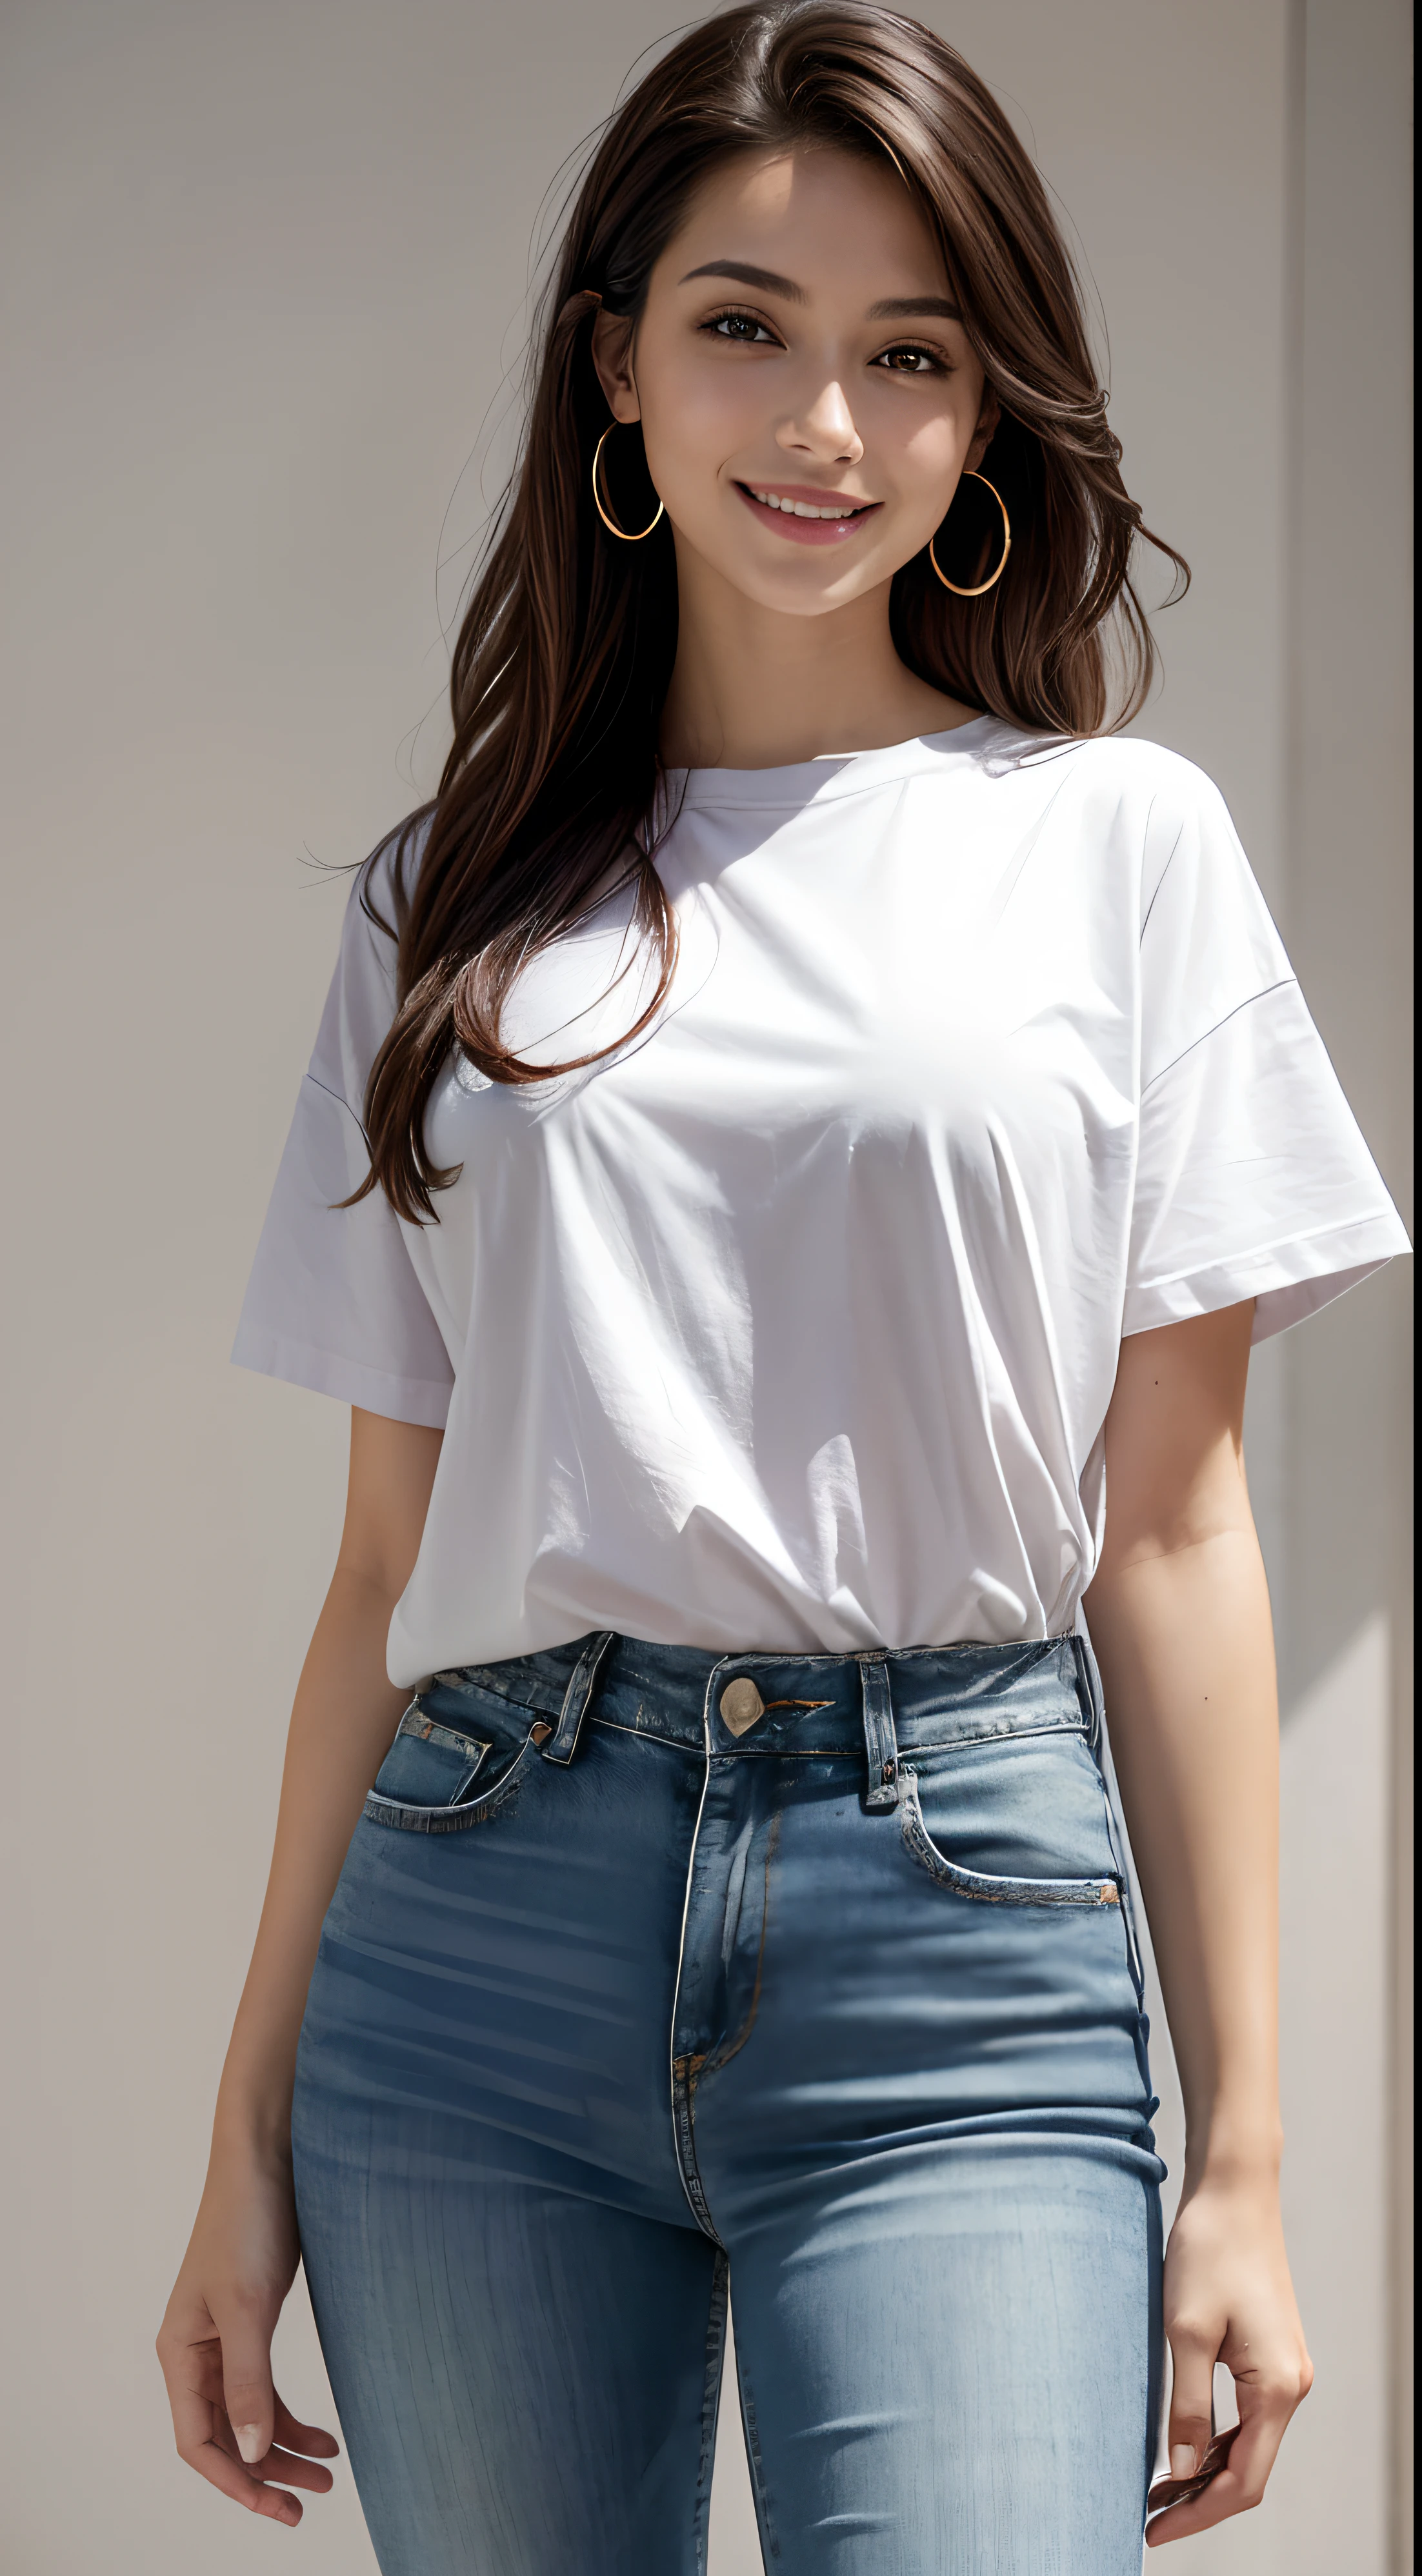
(1179, 1613)
(215, 2342)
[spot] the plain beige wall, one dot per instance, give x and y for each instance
(266, 269)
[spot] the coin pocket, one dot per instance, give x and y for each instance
(429, 1765)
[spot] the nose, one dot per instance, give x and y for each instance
(824, 429)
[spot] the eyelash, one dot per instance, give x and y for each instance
(937, 364)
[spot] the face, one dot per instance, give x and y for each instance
(807, 395)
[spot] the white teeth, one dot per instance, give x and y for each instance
(805, 509)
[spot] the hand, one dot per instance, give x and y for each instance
(1229, 2298)
(215, 2346)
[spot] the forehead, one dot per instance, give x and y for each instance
(836, 222)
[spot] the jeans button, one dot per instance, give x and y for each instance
(741, 1705)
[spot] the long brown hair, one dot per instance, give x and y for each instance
(566, 650)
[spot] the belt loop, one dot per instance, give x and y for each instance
(563, 1743)
(1088, 1686)
(880, 1742)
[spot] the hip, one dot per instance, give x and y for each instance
(614, 1898)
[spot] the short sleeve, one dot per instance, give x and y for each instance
(1252, 1178)
(335, 1300)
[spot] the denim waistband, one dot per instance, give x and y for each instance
(885, 1704)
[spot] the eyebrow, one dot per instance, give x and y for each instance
(898, 308)
(744, 275)
(893, 308)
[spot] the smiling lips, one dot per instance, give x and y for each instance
(810, 517)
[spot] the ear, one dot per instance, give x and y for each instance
(612, 357)
(988, 417)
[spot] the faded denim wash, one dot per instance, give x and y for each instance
(634, 1976)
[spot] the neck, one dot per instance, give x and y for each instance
(755, 688)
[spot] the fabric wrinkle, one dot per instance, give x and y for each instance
(909, 2128)
(807, 1302)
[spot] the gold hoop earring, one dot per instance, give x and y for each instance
(957, 587)
(629, 536)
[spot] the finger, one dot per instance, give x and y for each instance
(248, 2396)
(195, 2365)
(1241, 2482)
(313, 2439)
(244, 2486)
(194, 2417)
(203, 2433)
(192, 2369)
(1264, 2411)
(1191, 2400)
(1181, 2520)
(205, 2376)
(278, 2464)
(1222, 2497)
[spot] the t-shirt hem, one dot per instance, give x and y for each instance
(397, 1399)
(1288, 1281)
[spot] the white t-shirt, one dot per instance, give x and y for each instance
(794, 1323)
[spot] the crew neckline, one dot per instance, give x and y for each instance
(829, 773)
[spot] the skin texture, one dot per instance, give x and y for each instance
(1179, 1613)
(784, 653)
(784, 649)
(215, 2341)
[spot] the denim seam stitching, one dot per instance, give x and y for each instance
(843, 1752)
(432, 1730)
(897, 1654)
(683, 2134)
(405, 1818)
(490, 1689)
(649, 1735)
(722, 2056)
(711, 2402)
(755, 2457)
(983, 1887)
(998, 1735)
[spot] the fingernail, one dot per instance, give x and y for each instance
(1183, 2462)
(251, 2442)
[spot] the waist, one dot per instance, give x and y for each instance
(791, 1704)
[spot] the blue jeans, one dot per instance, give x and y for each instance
(648, 1965)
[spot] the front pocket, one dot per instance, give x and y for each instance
(429, 1765)
(425, 1782)
(986, 1887)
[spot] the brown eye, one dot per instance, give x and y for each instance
(910, 362)
(745, 327)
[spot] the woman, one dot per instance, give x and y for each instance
(805, 1114)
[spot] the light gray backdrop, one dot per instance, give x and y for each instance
(265, 272)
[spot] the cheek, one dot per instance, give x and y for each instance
(695, 424)
(924, 459)
(931, 451)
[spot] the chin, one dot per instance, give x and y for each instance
(809, 587)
